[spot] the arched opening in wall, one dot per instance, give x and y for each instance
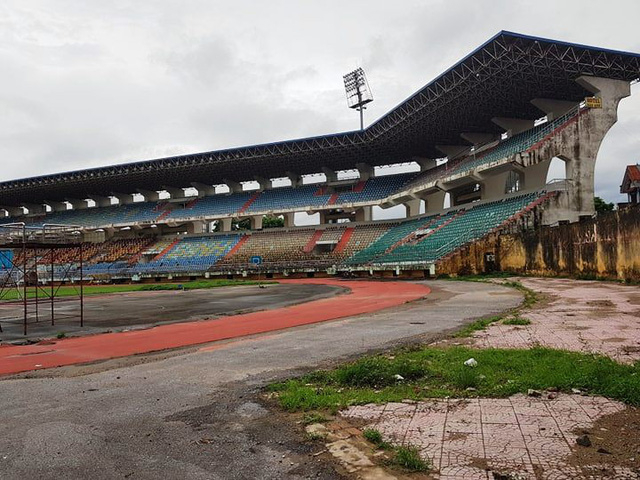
(423, 206)
(447, 200)
(303, 218)
(557, 170)
(379, 213)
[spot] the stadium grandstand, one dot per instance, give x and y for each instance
(471, 153)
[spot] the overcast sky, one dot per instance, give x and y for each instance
(86, 83)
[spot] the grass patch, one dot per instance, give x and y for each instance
(516, 320)
(432, 372)
(61, 335)
(314, 417)
(374, 436)
(67, 291)
(408, 457)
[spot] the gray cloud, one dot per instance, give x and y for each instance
(87, 83)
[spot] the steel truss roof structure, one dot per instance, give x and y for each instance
(499, 79)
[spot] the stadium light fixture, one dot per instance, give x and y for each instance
(358, 92)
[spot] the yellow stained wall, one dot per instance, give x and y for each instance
(608, 246)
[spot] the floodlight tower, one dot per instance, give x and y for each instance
(358, 92)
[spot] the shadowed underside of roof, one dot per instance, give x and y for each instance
(499, 79)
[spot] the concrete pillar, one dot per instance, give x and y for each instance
(434, 201)
(290, 219)
(57, 206)
(264, 183)
(124, 198)
(452, 151)
(204, 189)
(493, 187)
(412, 207)
(366, 171)
(513, 126)
(225, 224)
(101, 201)
(256, 222)
(296, 180)
(330, 174)
(323, 217)
(234, 187)
(363, 214)
(35, 208)
(196, 227)
(14, 211)
(553, 108)
(174, 192)
(149, 195)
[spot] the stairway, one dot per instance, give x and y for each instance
(333, 199)
(308, 248)
(344, 240)
(236, 247)
(249, 202)
(359, 187)
(166, 250)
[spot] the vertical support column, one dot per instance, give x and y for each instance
(225, 224)
(256, 222)
(290, 219)
(412, 207)
(493, 187)
(434, 201)
(363, 214)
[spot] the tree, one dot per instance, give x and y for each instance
(602, 206)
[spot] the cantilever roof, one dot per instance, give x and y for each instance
(498, 79)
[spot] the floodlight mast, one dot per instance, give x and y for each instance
(358, 92)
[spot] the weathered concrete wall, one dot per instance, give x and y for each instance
(608, 247)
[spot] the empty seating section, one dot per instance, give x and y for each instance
(285, 247)
(461, 227)
(389, 239)
(284, 198)
(190, 254)
(363, 236)
(215, 205)
(376, 188)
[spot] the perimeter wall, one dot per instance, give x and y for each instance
(607, 246)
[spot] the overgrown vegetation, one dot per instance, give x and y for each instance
(408, 457)
(516, 320)
(432, 372)
(68, 291)
(374, 436)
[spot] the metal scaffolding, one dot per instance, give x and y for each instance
(35, 263)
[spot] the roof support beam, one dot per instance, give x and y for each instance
(296, 180)
(234, 187)
(330, 174)
(513, 126)
(203, 189)
(366, 171)
(425, 163)
(14, 211)
(452, 151)
(264, 183)
(174, 192)
(35, 208)
(479, 138)
(78, 204)
(101, 201)
(56, 206)
(124, 198)
(149, 195)
(553, 108)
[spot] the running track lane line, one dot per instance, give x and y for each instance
(363, 297)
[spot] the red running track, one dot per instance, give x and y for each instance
(363, 297)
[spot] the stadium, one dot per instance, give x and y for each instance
(468, 156)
